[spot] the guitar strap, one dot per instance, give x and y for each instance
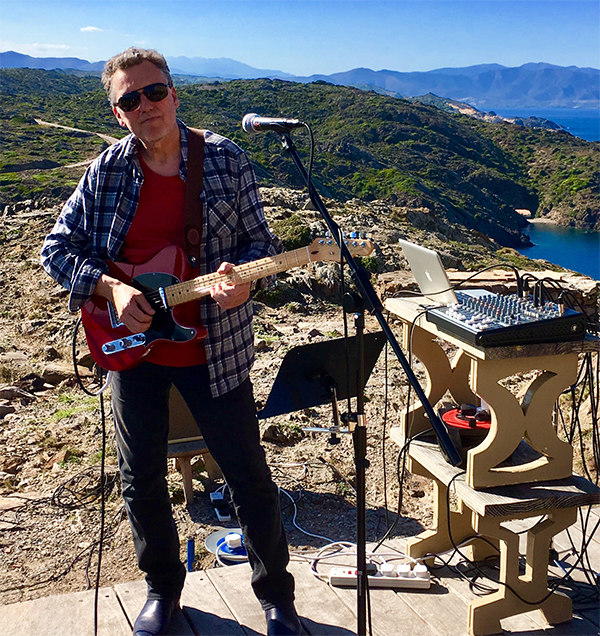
(194, 209)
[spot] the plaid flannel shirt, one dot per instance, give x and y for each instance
(93, 223)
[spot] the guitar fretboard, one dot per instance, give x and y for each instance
(244, 273)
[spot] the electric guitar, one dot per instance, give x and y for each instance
(115, 348)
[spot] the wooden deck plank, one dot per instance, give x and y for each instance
(132, 596)
(322, 612)
(65, 615)
(206, 611)
(391, 614)
(562, 542)
(233, 584)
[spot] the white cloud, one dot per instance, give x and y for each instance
(91, 29)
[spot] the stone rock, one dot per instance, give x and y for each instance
(260, 345)
(11, 465)
(62, 456)
(276, 434)
(31, 383)
(57, 372)
(15, 393)
(50, 353)
(6, 409)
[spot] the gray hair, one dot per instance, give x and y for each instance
(132, 57)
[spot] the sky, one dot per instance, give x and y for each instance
(304, 37)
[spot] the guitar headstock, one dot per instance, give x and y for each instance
(326, 248)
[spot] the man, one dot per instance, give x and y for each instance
(127, 207)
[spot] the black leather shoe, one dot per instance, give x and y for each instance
(284, 621)
(154, 617)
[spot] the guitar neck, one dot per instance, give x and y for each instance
(245, 273)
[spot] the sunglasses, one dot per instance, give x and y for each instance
(153, 92)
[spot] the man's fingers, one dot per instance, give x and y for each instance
(228, 295)
(225, 268)
(144, 305)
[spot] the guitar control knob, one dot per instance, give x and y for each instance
(125, 343)
(108, 347)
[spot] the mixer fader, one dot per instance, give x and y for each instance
(490, 320)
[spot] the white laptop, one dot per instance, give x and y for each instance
(429, 272)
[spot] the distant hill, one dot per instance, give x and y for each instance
(10, 59)
(453, 106)
(486, 86)
(223, 68)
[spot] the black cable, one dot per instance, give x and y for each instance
(113, 527)
(102, 515)
(345, 322)
(340, 239)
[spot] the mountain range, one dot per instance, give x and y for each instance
(532, 85)
(486, 86)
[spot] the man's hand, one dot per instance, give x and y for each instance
(132, 308)
(227, 294)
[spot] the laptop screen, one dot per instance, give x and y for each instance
(429, 272)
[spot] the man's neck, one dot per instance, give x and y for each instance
(164, 155)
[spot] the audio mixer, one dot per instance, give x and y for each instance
(489, 320)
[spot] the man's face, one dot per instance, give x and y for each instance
(151, 121)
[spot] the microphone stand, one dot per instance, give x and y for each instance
(371, 302)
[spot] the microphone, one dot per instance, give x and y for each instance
(253, 123)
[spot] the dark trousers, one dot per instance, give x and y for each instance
(229, 426)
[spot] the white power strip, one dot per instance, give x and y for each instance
(391, 577)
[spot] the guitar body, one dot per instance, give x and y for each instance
(168, 282)
(111, 344)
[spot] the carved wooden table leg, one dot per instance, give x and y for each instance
(513, 421)
(485, 613)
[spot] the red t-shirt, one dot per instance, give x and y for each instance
(159, 222)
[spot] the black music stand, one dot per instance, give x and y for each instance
(309, 373)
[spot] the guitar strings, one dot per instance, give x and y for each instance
(245, 272)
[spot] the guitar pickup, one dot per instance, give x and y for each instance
(122, 344)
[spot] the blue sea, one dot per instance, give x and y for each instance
(574, 249)
(568, 247)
